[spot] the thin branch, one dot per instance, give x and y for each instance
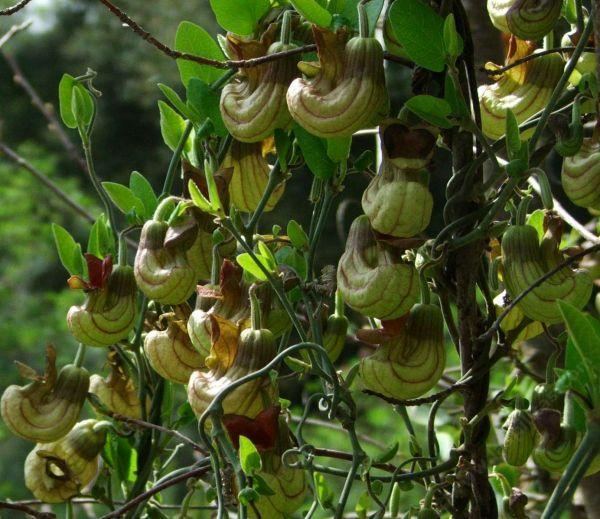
(348, 456)
(13, 9)
(529, 57)
(20, 507)
(119, 512)
(488, 334)
(418, 401)
(148, 425)
(12, 31)
(248, 63)
(334, 427)
(64, 197)
(47, 110)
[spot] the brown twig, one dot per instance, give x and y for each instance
(119, 512)
(248, 63)
(12, 31)
(13, 9)
(348, 456)
(14, 157)
(148, 425)
(525, 59)
(488, 334)
(20, 507)
(47, 110)
(417, 401)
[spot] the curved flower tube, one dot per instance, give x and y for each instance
(57, 471)
(553, 455)
(525, 260)
(47, 408)
(226, 308)
(372, 279)
(410, 365)
(254, 105)
(289, 484)
(117, 391)
(108, 314)
(581, 175)
(169, 262)
(250, 177)
(171, 353)
(526, 19)
(524, 89)
(255, 349)
(348, 92)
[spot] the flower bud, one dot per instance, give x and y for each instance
(255, 349)
(372, 278)
(348, 92)
(47, 408)
(171, 353)
(398, 202)
(334, 337)
(250, 177)
(108, 314)
(553, 455)
(167, 268)
(411, 364)
(289, 484)
(526, 19)
(581, 175)
(520, 437)
(525, 260)
(525, 89)
(117, 391)
(254, 104)
(57, 471)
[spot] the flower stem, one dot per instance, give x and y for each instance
(80, 355)
(168, 184)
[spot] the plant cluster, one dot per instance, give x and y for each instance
(216, 310)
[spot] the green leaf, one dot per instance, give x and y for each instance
(239, 16)
(314, 150)
(453, 43)
(68, 100)
(69, 251)
(172, 126)
(198, 198)
(293, 259)
(249, 456)
(261, 486)
(249, 265)
(247, 496)
(296, 234)
(456, 101)
(124, 198)
(325, 495)
(536, 220)
(82, 106)
(420, 30)
(338, 149)
(121, 456)
(65, 91)
(283, 143)
(373, 9)
(101, 241)
(513, 136)
(431, 109)
(266, 253)
(584, 335)
(313, 12)
(142, 189)
(179, 104)
(193, 39)
(388, 455)
(205, 102)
